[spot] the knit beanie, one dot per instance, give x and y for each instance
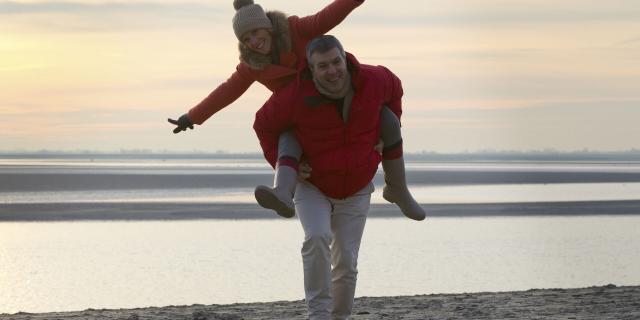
(248, 16)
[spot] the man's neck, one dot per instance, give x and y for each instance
(335, 95)
(342, 99)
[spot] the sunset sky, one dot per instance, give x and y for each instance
(478, 74)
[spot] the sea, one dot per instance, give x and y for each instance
(68, 263)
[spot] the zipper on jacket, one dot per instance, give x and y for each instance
(346, 160)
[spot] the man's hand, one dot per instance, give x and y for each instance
(304, 171)
(182, 123)
(379, 146)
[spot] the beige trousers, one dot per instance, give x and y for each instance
(332, 232)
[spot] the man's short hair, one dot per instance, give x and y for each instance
(323, 44)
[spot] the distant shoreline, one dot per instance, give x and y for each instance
(243, 211)
(632, 155)
(605, 303)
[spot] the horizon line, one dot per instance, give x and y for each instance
(546, 151)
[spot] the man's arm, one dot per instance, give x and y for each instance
(271, 120)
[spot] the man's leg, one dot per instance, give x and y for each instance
(347, 223)
(279, 198)
(396, 190)
(314, 212)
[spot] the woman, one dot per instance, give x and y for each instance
(272, 49)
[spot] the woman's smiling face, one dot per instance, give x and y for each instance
(258, 40)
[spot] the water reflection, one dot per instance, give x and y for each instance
(78, 265)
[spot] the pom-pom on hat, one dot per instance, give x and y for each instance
(248, 16)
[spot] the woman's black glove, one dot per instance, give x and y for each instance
(182, 123)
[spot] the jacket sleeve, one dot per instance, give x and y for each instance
(394, 92)
(326, 19)
(274, 117)
(225, 94)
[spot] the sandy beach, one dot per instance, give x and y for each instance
(604, 302)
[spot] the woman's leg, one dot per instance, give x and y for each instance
(279, 198)
(395, 189)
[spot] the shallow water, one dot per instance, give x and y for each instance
(57, 266)
(42, 181)
(258, 165)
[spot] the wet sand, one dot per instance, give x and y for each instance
(605, 302)
(24, 180)
(193, 211)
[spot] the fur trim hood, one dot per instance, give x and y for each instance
(281, 42)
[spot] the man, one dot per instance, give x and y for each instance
(334, 110)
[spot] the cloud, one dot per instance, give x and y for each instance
(490, 12)
(14, 7)
(630, 41)
(421, 13)
(373, 14)
(71, 16)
